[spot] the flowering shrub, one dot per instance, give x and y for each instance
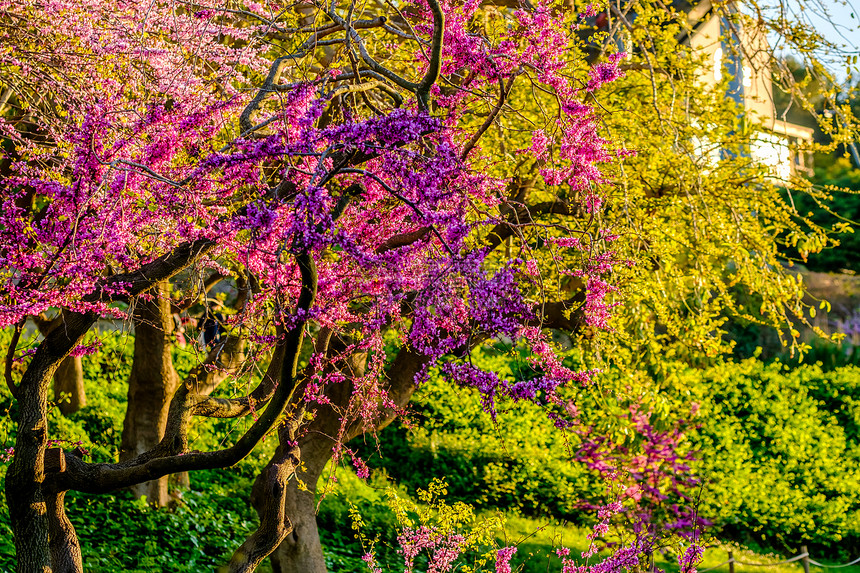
(443, 535)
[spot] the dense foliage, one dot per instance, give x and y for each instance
(346, 204)
(384, 193)
(777, 448)
(841, 210)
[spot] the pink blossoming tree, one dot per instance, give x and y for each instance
(323, 160)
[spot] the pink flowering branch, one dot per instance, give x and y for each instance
(365, 220)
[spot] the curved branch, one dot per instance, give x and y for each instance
(367, 58)
(524, 215)
(234, 407)
(422, 88)
(162, 268)
(504, 90)
(99, 478)
(272, 78)
(402, 240)
(277, 68)
(362, 87)
(188, 302)
(435, 67)
(189, 400)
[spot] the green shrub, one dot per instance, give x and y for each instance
(778, 449)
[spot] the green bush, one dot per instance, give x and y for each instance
(780, 449)
(520, 462)
(777, 448)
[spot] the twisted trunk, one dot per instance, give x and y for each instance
(24, 498)
(39, 525)
(64, 545)
(268, 494)
(28, 510)
(301, 551)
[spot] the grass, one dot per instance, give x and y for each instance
(715, 555)
(537, 541)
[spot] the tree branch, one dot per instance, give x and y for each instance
(162, 268)
(188, 302)
(100, 478)
(523, 215)
(504, 90)
(10, 357)
(402, 240)
(277, 68)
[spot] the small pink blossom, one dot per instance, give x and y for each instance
(503, 559)
(540, 144)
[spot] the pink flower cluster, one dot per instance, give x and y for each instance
(503, 559)
(152, 155)
(442, 547)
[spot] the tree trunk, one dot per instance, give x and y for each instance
(69, 376)
(23, 485)
(301, 551)
(152, 382)
(268, 496)
(64, 544)
(69, 380)
(24, 498)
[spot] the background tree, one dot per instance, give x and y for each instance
(704, 218)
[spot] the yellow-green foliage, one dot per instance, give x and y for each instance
(476, 534)
(777, 448)
(702, 223)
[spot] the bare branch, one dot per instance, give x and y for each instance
(99, 478)
(279, 64)
(504, 90)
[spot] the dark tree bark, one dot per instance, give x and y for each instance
(301, 550)
(28, 510)
(27, 505)
(152, 382)
(63, 541)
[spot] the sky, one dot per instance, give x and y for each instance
(837, 21)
